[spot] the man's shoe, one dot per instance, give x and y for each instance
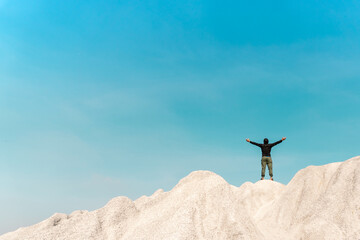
(271, 179)
(262, 178)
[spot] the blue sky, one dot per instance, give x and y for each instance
(106, 98)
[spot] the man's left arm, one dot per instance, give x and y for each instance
(276, 143)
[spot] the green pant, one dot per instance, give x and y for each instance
(266, 161)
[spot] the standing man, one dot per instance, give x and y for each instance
(266, 156)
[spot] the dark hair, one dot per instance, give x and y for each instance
(266, 141)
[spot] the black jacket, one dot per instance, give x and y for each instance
(266, 148)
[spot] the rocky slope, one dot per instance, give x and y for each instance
(320, 202)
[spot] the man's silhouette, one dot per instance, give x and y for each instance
(266, 156)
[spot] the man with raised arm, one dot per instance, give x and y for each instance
(266, 156)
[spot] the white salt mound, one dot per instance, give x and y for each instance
(320, 202)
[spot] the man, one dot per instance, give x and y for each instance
(266, 156)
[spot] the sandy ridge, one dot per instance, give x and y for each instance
(320, 202)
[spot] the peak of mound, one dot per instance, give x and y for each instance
(199, 181)
(201, 175)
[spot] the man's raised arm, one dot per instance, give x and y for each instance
(257, 144)
(276, 143)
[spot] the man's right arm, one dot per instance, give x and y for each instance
(257, 144)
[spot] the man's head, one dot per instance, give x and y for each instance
(266, 141)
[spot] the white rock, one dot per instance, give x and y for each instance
(320, 202)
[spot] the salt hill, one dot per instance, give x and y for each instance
(320, 202)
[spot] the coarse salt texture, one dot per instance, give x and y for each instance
(320, 202)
